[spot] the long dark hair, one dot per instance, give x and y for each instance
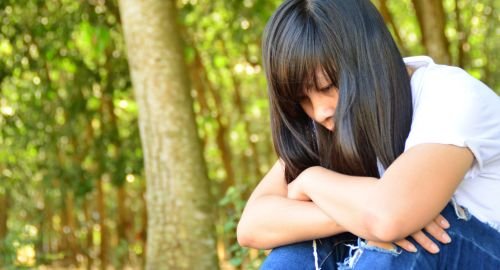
(350, 42)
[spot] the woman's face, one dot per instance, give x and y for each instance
(320, 103)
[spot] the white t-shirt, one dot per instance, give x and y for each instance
(452, 107)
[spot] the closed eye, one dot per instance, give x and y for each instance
(327, 88)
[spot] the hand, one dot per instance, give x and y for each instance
(436, 229)
(296, 192)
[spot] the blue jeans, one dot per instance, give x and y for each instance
(475, 245)
(301, 256)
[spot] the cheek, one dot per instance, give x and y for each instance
(336, 98)
(307, 107)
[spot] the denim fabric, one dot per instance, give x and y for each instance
(475, 245)
(300, 256)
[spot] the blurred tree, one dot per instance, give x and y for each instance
(71, 162)
(3, 220)
(62, 66)
(391, 24)
(432, 20)
(180, 213)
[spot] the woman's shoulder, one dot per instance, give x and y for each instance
(450, 106)
(431, 81)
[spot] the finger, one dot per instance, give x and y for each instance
(438, 233)
(406, 245)
(442, 222)
(424, 241)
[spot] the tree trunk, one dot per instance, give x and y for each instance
(462, 37)
(221, 136)
(101, 207)
(142, 234)
(490, 47)
(66, 235)
(431, 18)
(69, 227)
(389, 20)
(49, 225)
(3, 221)
(3, 214)
(118, 177)
(89, 243)
(180, 213)
(124, 222)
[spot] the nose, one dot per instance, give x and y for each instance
(323, 111)
(328, 123)
(325, 120)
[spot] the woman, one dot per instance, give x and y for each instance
(372, 146)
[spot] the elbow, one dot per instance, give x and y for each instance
(385, 232)
(384, 227)
(250, 237)
(243, 236)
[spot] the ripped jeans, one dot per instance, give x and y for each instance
(324, 253)
(475, 245)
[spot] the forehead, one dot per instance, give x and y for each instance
(319, 79)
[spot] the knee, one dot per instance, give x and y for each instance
(293, 256)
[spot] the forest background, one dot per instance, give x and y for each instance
(73, 187)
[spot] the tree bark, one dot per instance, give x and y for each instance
(101, 208)
(124, 222)
(180, 213)
(142, 234)
(389, 20)
(431, 18)
(3, 221)
(490, 76)
(69, 226)
(462, 37)
(118, 177)
(3, 215)
(221, 134)
(89, 243)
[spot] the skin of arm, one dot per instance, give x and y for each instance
(270, 219)
(413, 190)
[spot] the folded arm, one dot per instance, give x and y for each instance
(270, 219)
(411, 193)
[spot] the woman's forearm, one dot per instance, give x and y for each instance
(410, 194)
(270, 221)
(345, 198)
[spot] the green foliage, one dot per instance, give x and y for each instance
(8, 254)
(69, 120)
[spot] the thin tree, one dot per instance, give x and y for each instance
(432, 21)
(3, 220)
(180, 214)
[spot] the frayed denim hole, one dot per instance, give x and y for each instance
(355, 252)
(347, 243)
(395, 251)
(350, 262)
(342, 242)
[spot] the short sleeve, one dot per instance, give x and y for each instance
(452, 107)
